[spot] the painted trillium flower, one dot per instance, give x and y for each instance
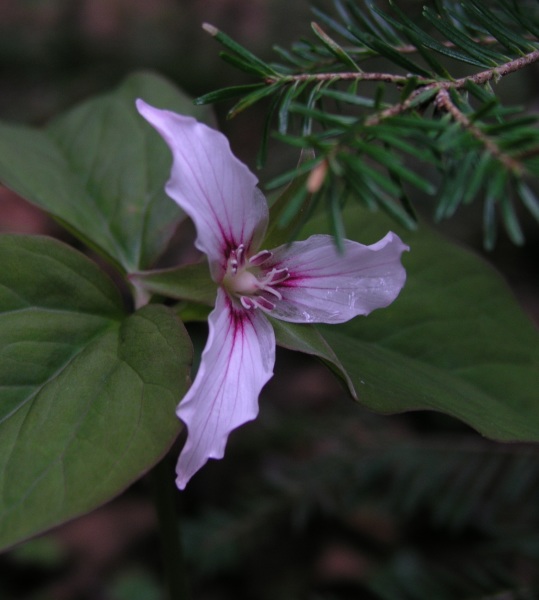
(303, 282)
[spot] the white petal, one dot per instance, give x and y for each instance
(211, 185)
(237, 362)
(326, 286)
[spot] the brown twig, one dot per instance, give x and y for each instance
(440, 93)
(444, 102)
(480, 78)
(496, 73)
(351, 75)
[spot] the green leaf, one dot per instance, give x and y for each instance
(325, 118)
(390, 162)
(510, 220)
(292, 91)
(454, 341)
(336, 217)
(289, 211)
(348, 98)
(305, 166)
(389, 52)
(421, 38)
(247, 56)
(478, 55)
(252, 98)
(393, 137)
(307, 339)
(479, 175)
(362, 169)
(243, 65)
(335, 49)
(227, 93)
(298, 201)
(87, 393)
(490, 229)
(188, 282)
(454, 187)
(512, 42)
(521, 13)
(373, 24)
(100, 169)
(291, 58)
(333, 24)
(262, 154)
(189, 312)
(529, 199)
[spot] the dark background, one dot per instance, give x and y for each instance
(317, 499)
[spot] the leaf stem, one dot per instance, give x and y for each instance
(164, 494)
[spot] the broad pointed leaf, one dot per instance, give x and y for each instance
(454, 341)
(87, 393)
(187, 282)
(308, 339)
(101, 169)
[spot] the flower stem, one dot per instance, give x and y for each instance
(164, 494)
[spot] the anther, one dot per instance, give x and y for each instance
(270, 290)
(247, 302)
(260, 258)
(262, 302)
(277, 276)
(240, 255)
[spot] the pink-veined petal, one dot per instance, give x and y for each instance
(326, 286)
(237, 362)
(211, 185)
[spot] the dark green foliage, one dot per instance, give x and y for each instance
(380, 131)
(439, 515)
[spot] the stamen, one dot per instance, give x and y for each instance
(240, 255)
(236, 259)
(247, 302)
(277, 276)
(260, 258)
(263, 303)
(270, 290)
(250, 302)
(247, 283)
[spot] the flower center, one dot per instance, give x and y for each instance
(247, 280)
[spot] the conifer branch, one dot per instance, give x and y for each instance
(495, 73)
(367, 146)
(353, 75)
(443, 101)
(480, 78)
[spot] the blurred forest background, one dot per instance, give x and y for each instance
(318, 499)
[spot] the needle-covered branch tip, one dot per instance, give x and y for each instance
(210, 29)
